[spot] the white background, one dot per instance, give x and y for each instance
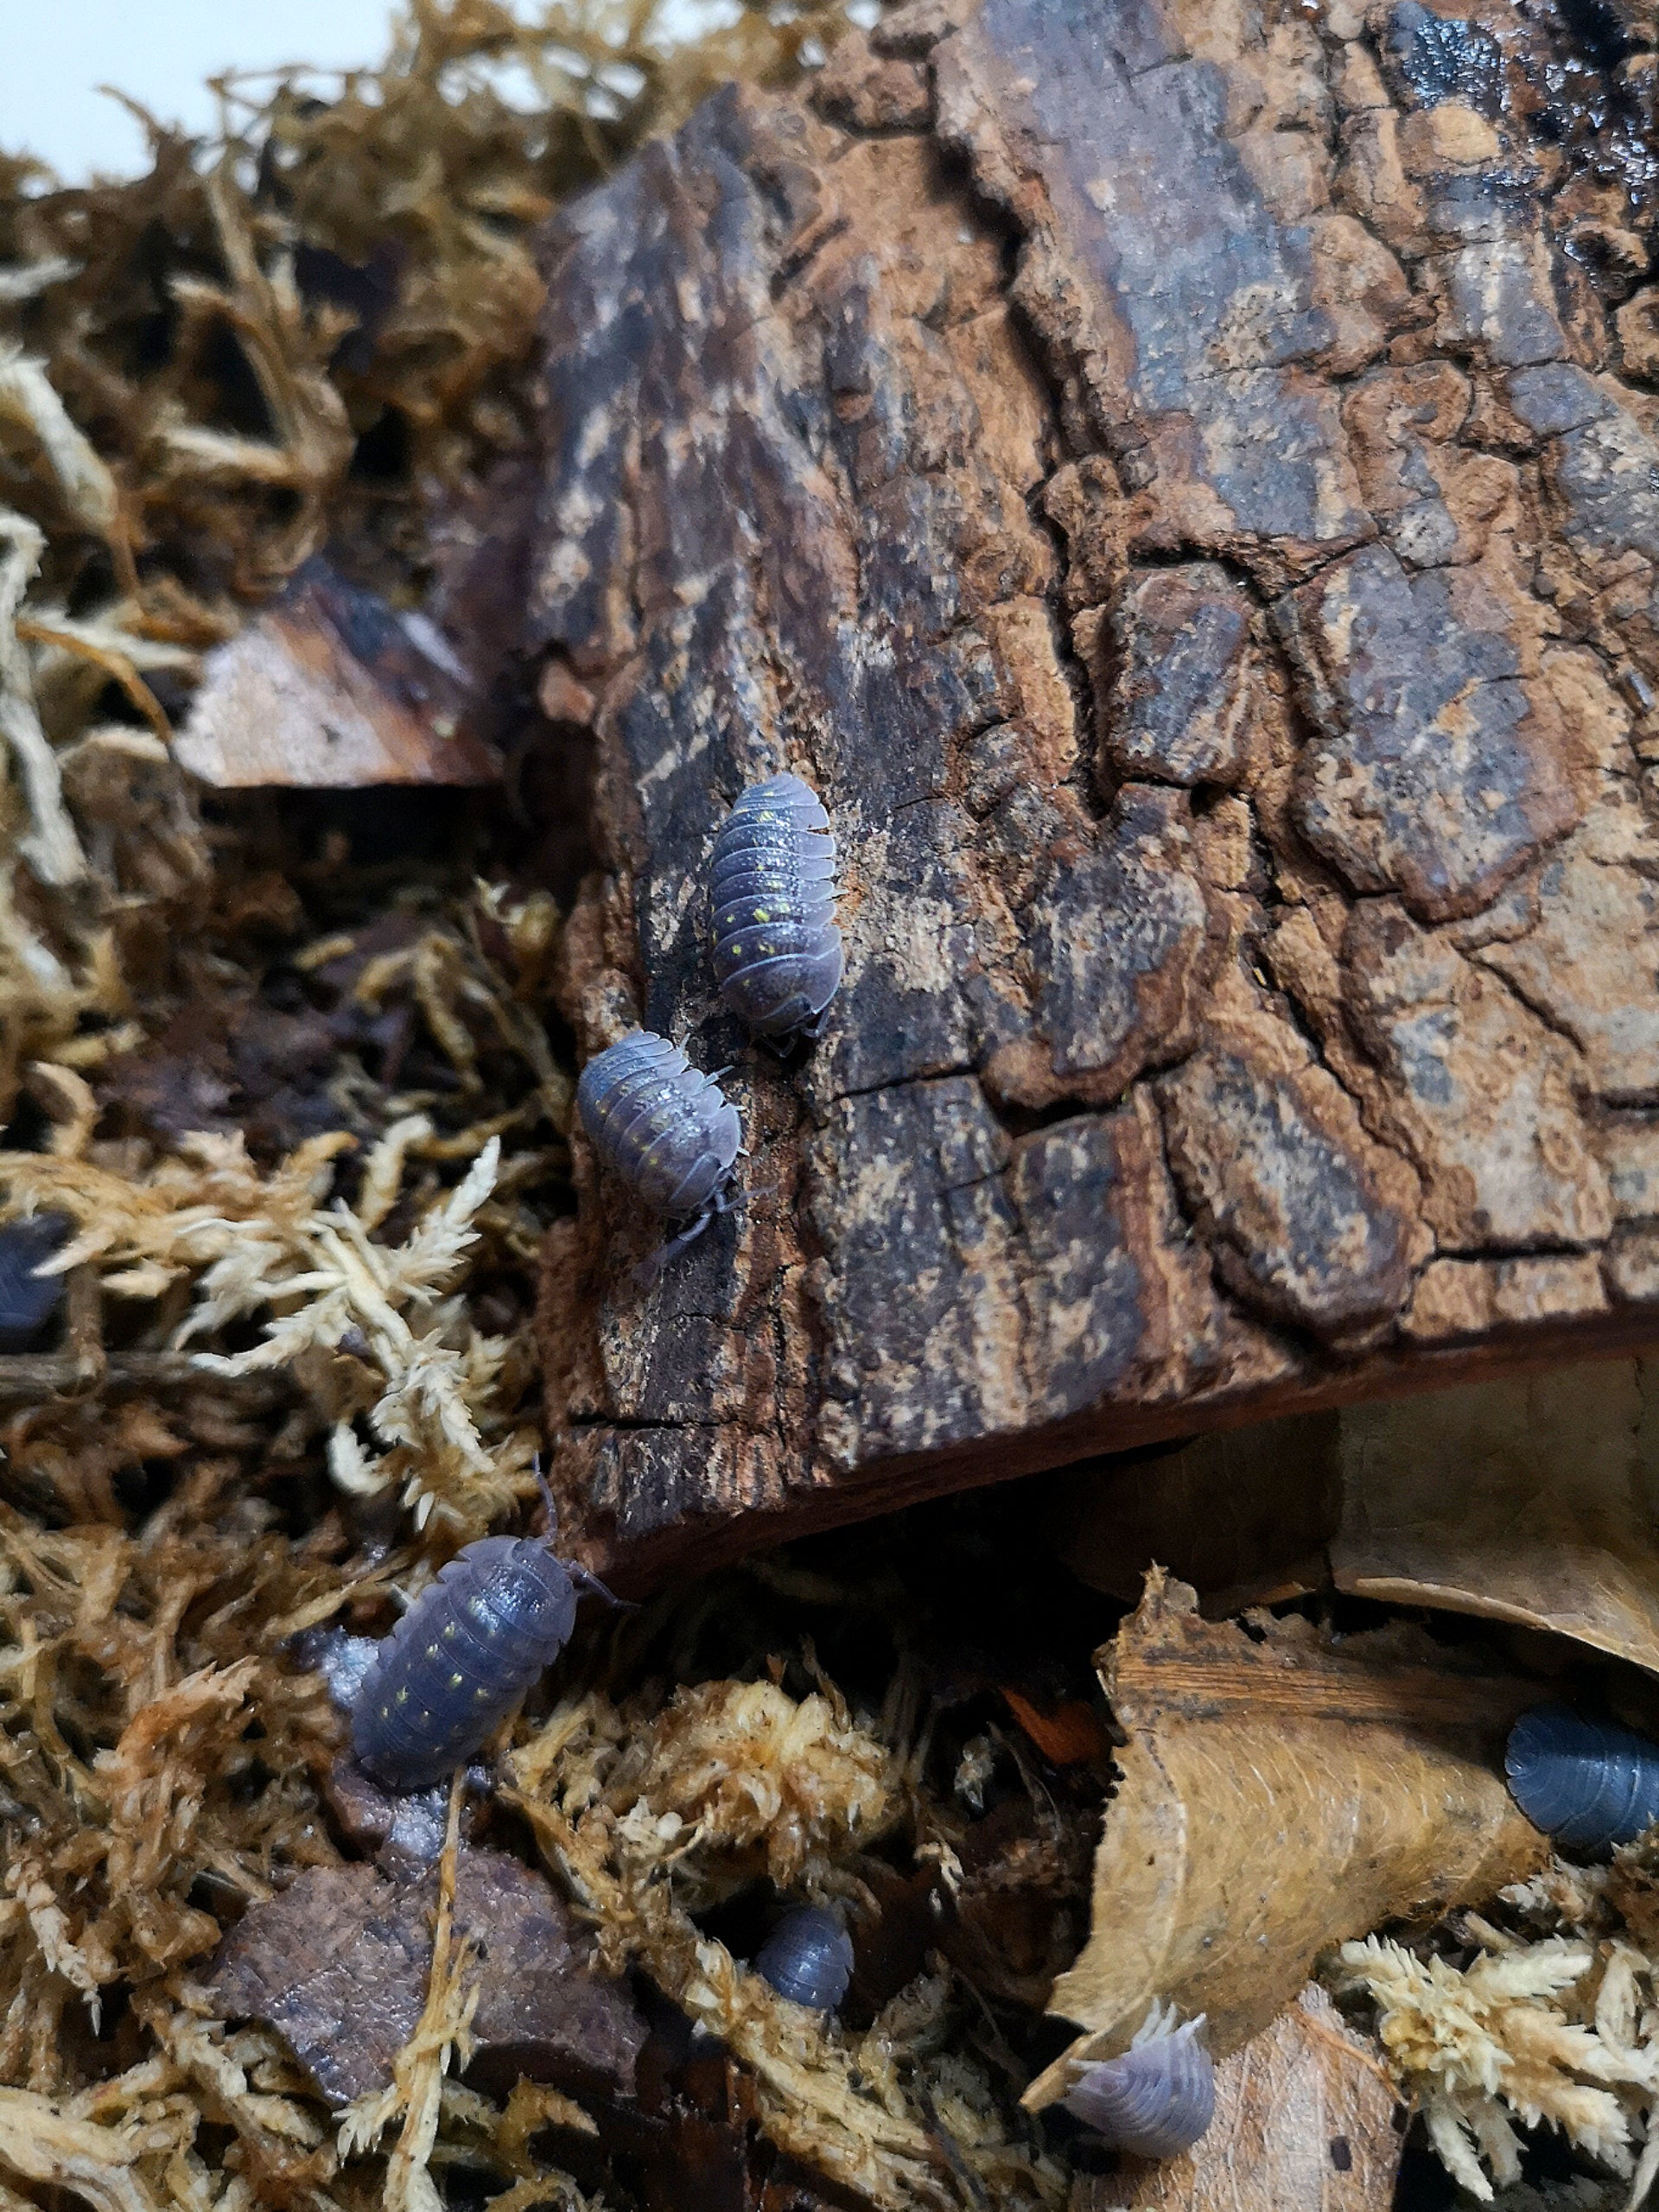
(54, 52)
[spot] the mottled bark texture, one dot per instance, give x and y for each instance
(1180, 477)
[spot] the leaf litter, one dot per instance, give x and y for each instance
(275, 1069)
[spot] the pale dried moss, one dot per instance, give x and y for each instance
(1561, 2030)
(364, 1328)
(650, 1814)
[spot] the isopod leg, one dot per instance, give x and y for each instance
(585, 1579)
(652, 1265)
(549, 1535)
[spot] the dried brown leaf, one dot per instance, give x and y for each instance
(1527, 1500)
(1281, 1790)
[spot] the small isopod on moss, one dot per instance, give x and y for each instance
(808, 1958)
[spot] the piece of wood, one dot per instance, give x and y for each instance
(331, 688)
(1167, 474)
(1305, 2122)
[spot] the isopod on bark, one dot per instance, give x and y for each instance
(808, 1958)
(1157, 2098)
(772, 891)
(1588, 1783)
(665, 1128)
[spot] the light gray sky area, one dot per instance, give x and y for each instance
(54, 54)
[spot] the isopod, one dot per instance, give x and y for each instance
(28, 1300)
(667, 1129)
(808, 1958)
(1157, 2098)
(1588, 1783)
(461, 1659)
(772, 891)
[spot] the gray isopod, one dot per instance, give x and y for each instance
(667, 1129)
(460, 1658)
(1157, 2098)
(1589, 1783)
(808, 1958)
(771, 890)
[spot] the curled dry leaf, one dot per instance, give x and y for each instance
(1527, 1500)
(1281, 1791)
(1304, 2123)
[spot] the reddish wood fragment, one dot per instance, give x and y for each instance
(332, 689)
(338, 1963)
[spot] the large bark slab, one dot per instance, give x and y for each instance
(1180, 480)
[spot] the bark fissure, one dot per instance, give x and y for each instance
(1171, 489)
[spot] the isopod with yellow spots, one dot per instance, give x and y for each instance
(462, 1658)
(771, 890)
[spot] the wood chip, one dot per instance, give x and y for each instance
(330, 689)
(338, 1963)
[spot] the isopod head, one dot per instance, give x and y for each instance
(777, 952)
(808, 1958)
(1157, 2098)
(1588, 1783)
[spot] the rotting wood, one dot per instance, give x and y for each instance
(1181, 481)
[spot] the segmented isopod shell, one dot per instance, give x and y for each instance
(771, 890)
(808, 1958)
(28, 1300)
(1157, 2099)
(1589, 1783)
(461, 1659)
(662, 1126)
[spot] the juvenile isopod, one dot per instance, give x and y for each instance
(771, 893)
(462, 1658)
(808, 1958)
(1157, 2098)
(667, 1129)
(27, 1300)
(1588, 1783)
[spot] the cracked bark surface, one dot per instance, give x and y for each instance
(1181, 479)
